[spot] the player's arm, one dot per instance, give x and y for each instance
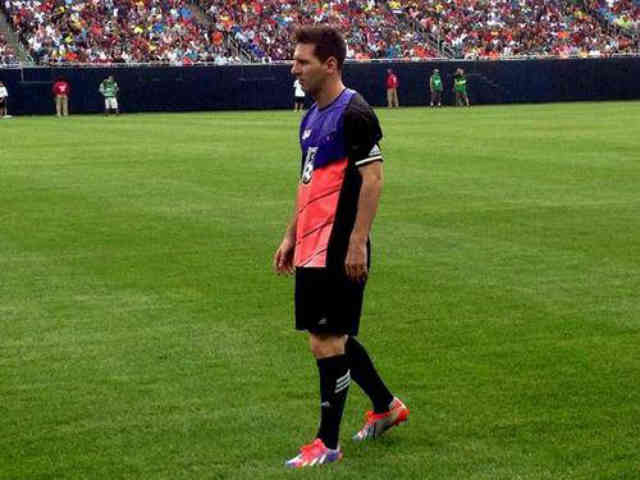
(363, 133)
(283, 258)
(372, 181)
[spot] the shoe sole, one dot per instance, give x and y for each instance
(298, 467)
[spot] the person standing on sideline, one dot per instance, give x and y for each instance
(460, 88)
(298, 96)
(109, 90)
(326, 244)
(4, 100)
(435, 86)
(61, 91)
(392, 89)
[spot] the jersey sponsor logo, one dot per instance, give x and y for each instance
(307, 170)
(306, 134)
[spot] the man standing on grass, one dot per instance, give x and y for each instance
(61, 91)
(392, 89)
(326, 244)
(4, 99)
(460, 88)
(298, 96)
(109, 90)
(435, 86)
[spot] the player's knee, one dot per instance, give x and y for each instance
(327, 345)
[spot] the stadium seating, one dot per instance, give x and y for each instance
(265, 28)
(7, 55)
(508, 28)
(137, 31)
(105, 31)
(621, 13)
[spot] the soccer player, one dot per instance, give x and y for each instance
(326, 244)
(109, 90)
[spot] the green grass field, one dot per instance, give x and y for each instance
(143, 334)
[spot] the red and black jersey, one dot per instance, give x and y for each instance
(335, 141)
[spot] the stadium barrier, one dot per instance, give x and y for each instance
(259, 86)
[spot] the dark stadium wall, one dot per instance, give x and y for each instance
(147, 89)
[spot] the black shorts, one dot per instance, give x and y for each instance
(327, 301)
(299, 99)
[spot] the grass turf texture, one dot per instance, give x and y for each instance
(145, 336)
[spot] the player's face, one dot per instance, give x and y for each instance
(308, 69)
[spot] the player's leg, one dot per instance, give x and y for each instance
(65, 105)
(366, 376)
(333, 369)
(327, 343)
(335, 378)
(58, 102)
(116, 106)
(388, 411)
(106, 106)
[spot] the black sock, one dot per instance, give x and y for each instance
(334, 385)
(364, 374)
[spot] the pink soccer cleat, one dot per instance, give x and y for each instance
(377, 423)
(315, 453)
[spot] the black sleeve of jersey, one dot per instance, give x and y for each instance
(361, 132)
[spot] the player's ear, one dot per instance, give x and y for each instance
(332, 64)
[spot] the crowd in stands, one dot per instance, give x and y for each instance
(506, 28)
(137, 31)
(265, 27)
(113, 31)
(624, 14)
(7, 55)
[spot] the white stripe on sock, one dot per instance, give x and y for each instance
(339, 388)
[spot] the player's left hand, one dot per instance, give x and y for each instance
(356, 262)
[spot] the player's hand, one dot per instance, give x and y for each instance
(356, 262)
(283, 258)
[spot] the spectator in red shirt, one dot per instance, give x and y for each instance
(392, 89)
(61, 91)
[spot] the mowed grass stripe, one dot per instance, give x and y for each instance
(144, 335)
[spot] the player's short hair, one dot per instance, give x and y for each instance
(327, 42)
